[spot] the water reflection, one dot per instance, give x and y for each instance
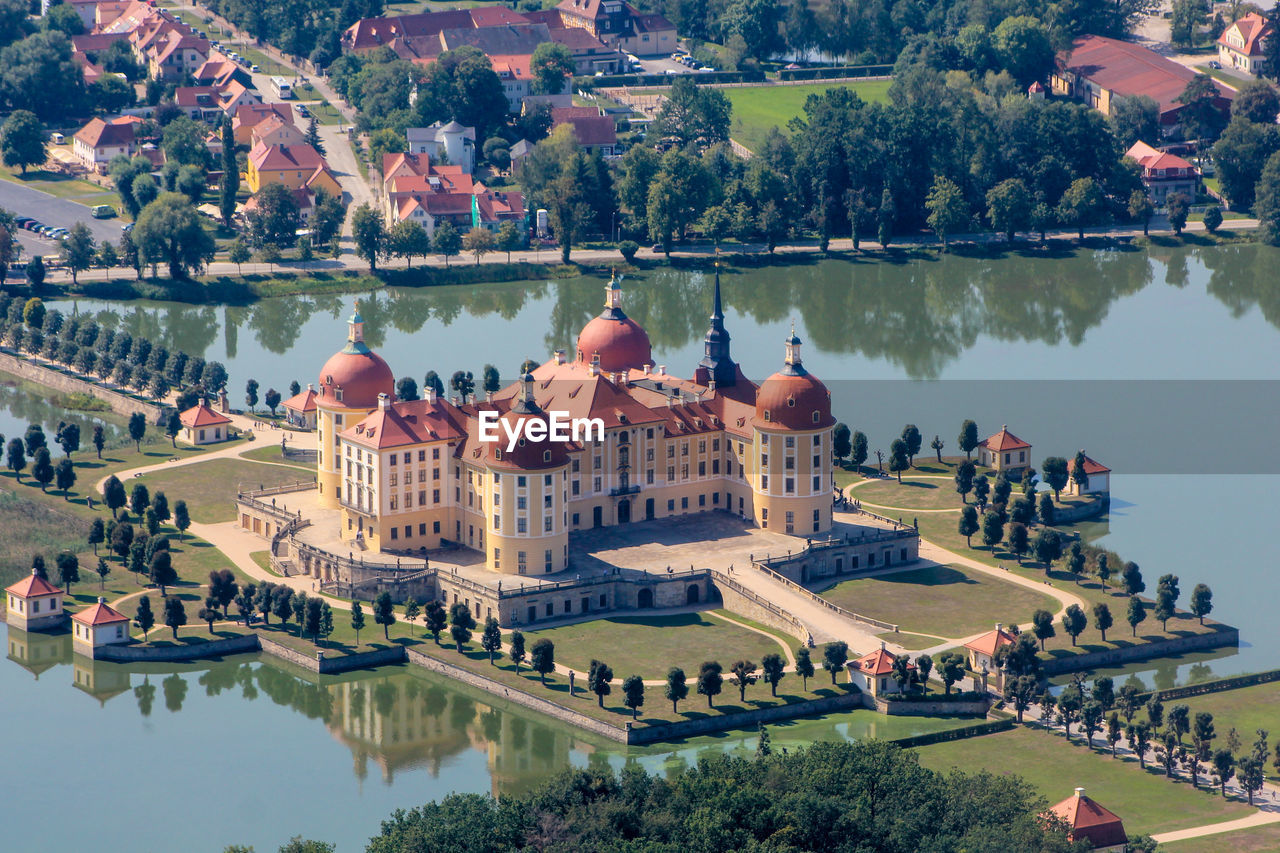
(21, 405)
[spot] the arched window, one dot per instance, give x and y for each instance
(816, 415)
(546, 454)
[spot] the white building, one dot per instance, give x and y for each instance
(1099, 479)
(34, 604)
(99, 625)
(457, 142)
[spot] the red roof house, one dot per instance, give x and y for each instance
(1241, 44)
(1004, 451)
(982, 649)
(202, 425)
(1088, 821)
(873, 673)
(300, 409)
(33, 603)
(99, 625)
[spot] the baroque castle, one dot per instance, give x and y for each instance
(413, 475)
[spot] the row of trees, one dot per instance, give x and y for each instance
(407, 239)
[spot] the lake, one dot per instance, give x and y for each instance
(1161, 363)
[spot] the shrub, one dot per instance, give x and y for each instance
(628, 248)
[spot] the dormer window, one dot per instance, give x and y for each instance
(815, 416)
(791, 402)
(766, 416)
(546, 456)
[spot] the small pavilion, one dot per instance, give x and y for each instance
(34, 604)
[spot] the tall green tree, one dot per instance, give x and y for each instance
(1009, 207)
(551, 65)
(491, 639)
(229, 186)
(710, 681)
(948, 210)
(446, 241)
(170, 231)
(384, 613)
(599, 680)
(22, 141)
(542, 658)
(369, 234)
(175, 614)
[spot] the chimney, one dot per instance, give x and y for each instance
(102, 600)
(711, 384)
(384, 402)
(310, 387)
(431, 395)
(559, 354)
(662, 370)
(998, 627)
(647, 367)
(488, 396)
(593, 369)
(882, 645)
(1079, 792)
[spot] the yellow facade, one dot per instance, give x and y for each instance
(791, 477)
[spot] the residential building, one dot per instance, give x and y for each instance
(34, 604)
(1100, 71)
(169, 48)
(1164, 173)
(410, 475)
(873, 673)
(296, 165)
(1243, 43)
(275, 130)
(98, 625)
(99, 141)
(418, 190)
(594, 130)
(1004, 451)
(984, 649)
(247, 116)
(201, 424)
(1088, 821)
(1099, 480)
(456, 143)
(620, 25)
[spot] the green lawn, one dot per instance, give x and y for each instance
(756, 109)
(61, 186)
(942, 600)
(1263, 839)
(912, 493)
(271, 453)
(1246, 710)
(1146, 801)
(649, 646)
(210, 488)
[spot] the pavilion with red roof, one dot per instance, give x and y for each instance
(1004, 451)
(873, 673)
(1088, 821)
(300, 409)
(201, 424)
(99, 625)
(1099, 481)
(34, 604)
(982, 649)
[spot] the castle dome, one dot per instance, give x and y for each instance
(793, 398)
(527, 455)
(354, 376)
(618, 341)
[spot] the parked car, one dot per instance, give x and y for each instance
(706, 69)
(103, 211)
(21, 221)
(127, 227)
(1215, 64)
(254, 69)
(303, 111)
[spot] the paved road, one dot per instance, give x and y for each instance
(51, 210)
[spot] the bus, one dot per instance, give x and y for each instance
(282, 88)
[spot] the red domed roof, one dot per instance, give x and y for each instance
(620, 342)
(790, 401)
(527, 454)
(361, 376)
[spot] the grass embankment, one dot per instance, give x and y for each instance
(649, 646)
(1245, 709)
(757, 109)
(272, 454)
(1146, 801)
(210, 488)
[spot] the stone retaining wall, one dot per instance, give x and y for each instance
(1098, 506)
(328, 666)
(1143, 651)
(743, 719)
(141, 652)
(744, 605)
(929, 707)
(58, 381)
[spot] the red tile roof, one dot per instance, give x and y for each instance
(1002, 441)
(1089, 821)
(1091, 467)
(591, 130)
(879, 662)
(991, 642)
(1130, 69)
(1253, 28)
(275, 158)
(32, 586)
(99, 614)
(202, 416)
(98, 133)
(1152, 158)
(408, 422)
(302, 402)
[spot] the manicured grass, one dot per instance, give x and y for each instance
(210, 488)
(756, 109)
(649, 646)
(943, 600)
(912, 492)
(1246, 710)
(1262, 839)
(1146, 801)
(908, 640)
(271, 453)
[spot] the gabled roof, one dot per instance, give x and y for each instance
(202, 415)
(991, 642)
(880, 662)
(32, 586)
(1002, 441)
(275, 158)
(592, 130)
(99, 614)
(1252, 28)
(1130, 69)
(304, 401)
(98, 133)
(1091, 467)
(408, 422)
(1089, 821)
(1152, 158)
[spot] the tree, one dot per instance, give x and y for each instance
(97, 534)
(312, 136)
(64, 475)
(1139, 737)
(446, 241)
(948, 210)
(992, 529)
(16, 457)
(509, 239)
(264, 600)
(911, 435)
(68, 438)
(327, 216)
(162, 573)
(170, 230)
(516, 651)
(407, 239)
(1131, 578)
(491, 638)
(744, 674)
(275, 218)
(68, 569)
(1213, 219)
(692, 116)
(1165, 608)
(804, 666)
(22, 141)
(1102, 618)
(298, 609)
(1020, 692)
(1019, 543)
(899, 460)
(99, 439)
(251, 394)
(1224, 768)
(1091, 719)
(384, 613)
(1081, 204)
(357, 619)
(238, 252)
(598, 680)
(964, 479)
(677, 689)
(834, 657)
(968, 524)
(1008, 208)
(369, 233)
(542, 658)
(1042, 626)
(460, 624)
(1074, 622)
(1048, 547)
(181, 518)
(223, 587)
(1022, 47)
(175, 614)
(551, 64)
(633, 694)
(139, 499)
(1251, 772)
(968, 440)
(1054, 469)
(951, 668)
(1047, 513)
(1178, 720)
(858, 454)
(1136, 613)
(1135, 118)
(1203, 116)
(42, 468)
(229, 187)
(710, 681)
(144, 618)
(272, 399)
(210, 613)
(1140, 207)
(1178, 206)
(1201, 601)
(479, 242)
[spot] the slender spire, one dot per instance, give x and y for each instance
(355, 331)
(716, 312)
(716, 360)
(525, 403)
(793, 365)
(613, 299)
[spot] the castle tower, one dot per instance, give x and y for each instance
(716, 363)
(614, 340)
(791, 469)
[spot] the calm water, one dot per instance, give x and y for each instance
(1135, 356)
